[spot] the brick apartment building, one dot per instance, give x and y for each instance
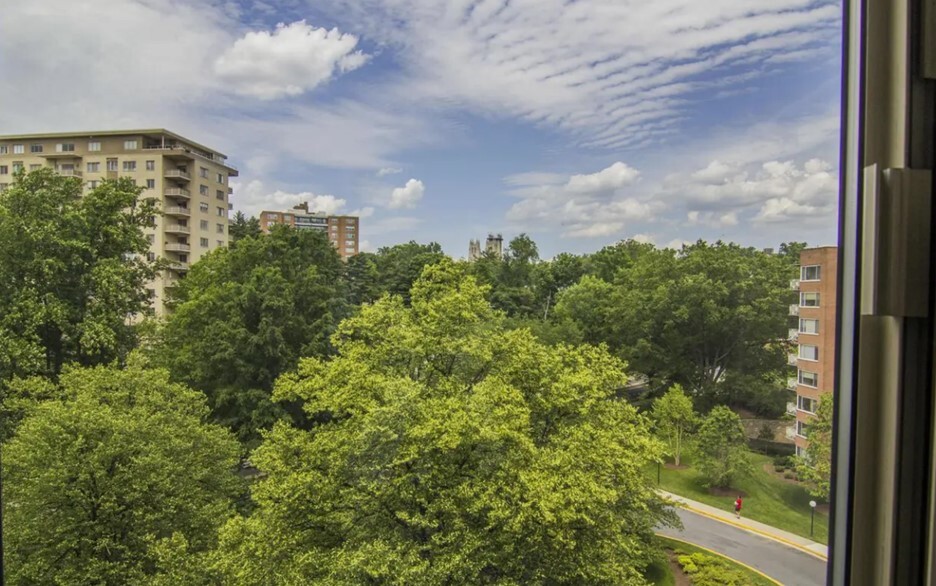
(343, 231)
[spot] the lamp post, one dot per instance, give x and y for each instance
(658, 473)
(812, 517)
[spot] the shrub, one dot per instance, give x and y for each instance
(706, 570)
(766, 432)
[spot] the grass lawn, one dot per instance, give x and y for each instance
(771, 500)
(753, 578)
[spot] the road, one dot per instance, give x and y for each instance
(783, 563)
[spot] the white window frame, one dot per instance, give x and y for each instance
(203, 242)
(94, 146)
(799, 432)
(19, 149)
(803, 270)
(799, 353)
(799, 378)
(802, 298)
(813, 403)
(150, 165)
(35, 148)
(129, 167)
(130, 145)
(4, 149)
(203, 207)
(65, 147)
(806, 319)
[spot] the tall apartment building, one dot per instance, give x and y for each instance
(343, 231)
(190, 182)
(814, 336)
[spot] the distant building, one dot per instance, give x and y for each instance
(495, 245)
(474, 249)
(187, 179)
(343, 231)
(814, 336)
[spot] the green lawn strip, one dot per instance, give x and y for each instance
(771, 500)
(660, 574)
(681, 547)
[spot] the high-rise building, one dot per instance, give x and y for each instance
(343, 231)
(190, 182)
(814, 336)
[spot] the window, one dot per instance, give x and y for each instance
(219, 195)
(203, 189)
(222, 212)
(93, 167)
(219, 228)
(129, 165)
(93, 184)
(806, 404)
(220, 177)
(111, 164)
(17, 166)
(4, 170)
(35, 167)
(810, 379)
(35, 148)
(809, 273)
(203, 207)
(4, 150)
(130, 145)
(94, 146)
(349, 249)
(203, 172)
(349, 242)
(151, 256)
(18, 149)
(204, 223)
(808, 326)
(151, 238)
(273, 217)
(204, 242)
(808, 352)
(151, 184)
(65, 147)
(801, 429)
(150, 165)
(220, 242)
(810, 299)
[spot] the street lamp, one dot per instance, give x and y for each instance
(812, 518)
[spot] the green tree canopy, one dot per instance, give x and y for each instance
(73, 268)
(244, 315)
(243, 227)
(399, 266)
(675, 419)
(815, 467)
(723, 453)
(117, 463)
(456, 452)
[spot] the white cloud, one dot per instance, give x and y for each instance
(365, 246)
(293, 59)
(612, 73)
(407, 196)
(582, 205)
(678, 243)
(712, 219)
(643, 238)
(388, 171)
(389, 225)
(254, 197)
(364, 212)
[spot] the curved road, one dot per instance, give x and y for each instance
(785, 564)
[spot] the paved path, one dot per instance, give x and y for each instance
(787, 558)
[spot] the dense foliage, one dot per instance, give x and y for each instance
(99, 476)
(73, 268)
(815, 467)
(721, 446)
(675, 420)
(456, 452)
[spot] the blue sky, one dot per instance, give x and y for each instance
(580, 122)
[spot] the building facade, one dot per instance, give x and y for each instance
(343, 231)
(189, 181)
(474, 249)
(814, 335)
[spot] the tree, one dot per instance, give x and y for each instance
(815, 467)
(363, 278)
(674, 418)
(98, 479)
(723, 453)
(244, 315)
(243, 227)
(399, 266)
(456, 452)
(605, 263)
(73, 269)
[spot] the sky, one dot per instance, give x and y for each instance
(578, 122)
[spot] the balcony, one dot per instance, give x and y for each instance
(69, 172)
(794, 285)
(177, 229)
(177, 174)
(793, 335)
(58, 155)
(177, 247)
(177, 192)
(791, 408)
(177, 266)
(794, 310)
(790, 432)
(177, 211)
(791, 383)
(791, 359)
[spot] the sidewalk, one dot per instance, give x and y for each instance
(817, 549)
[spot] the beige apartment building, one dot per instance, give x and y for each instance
(343, 231)
(814, 336)
(189, 180)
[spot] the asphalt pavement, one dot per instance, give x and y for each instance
(787, 565)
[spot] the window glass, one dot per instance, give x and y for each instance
(809, 273)
(94, 146)
(808, 326)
